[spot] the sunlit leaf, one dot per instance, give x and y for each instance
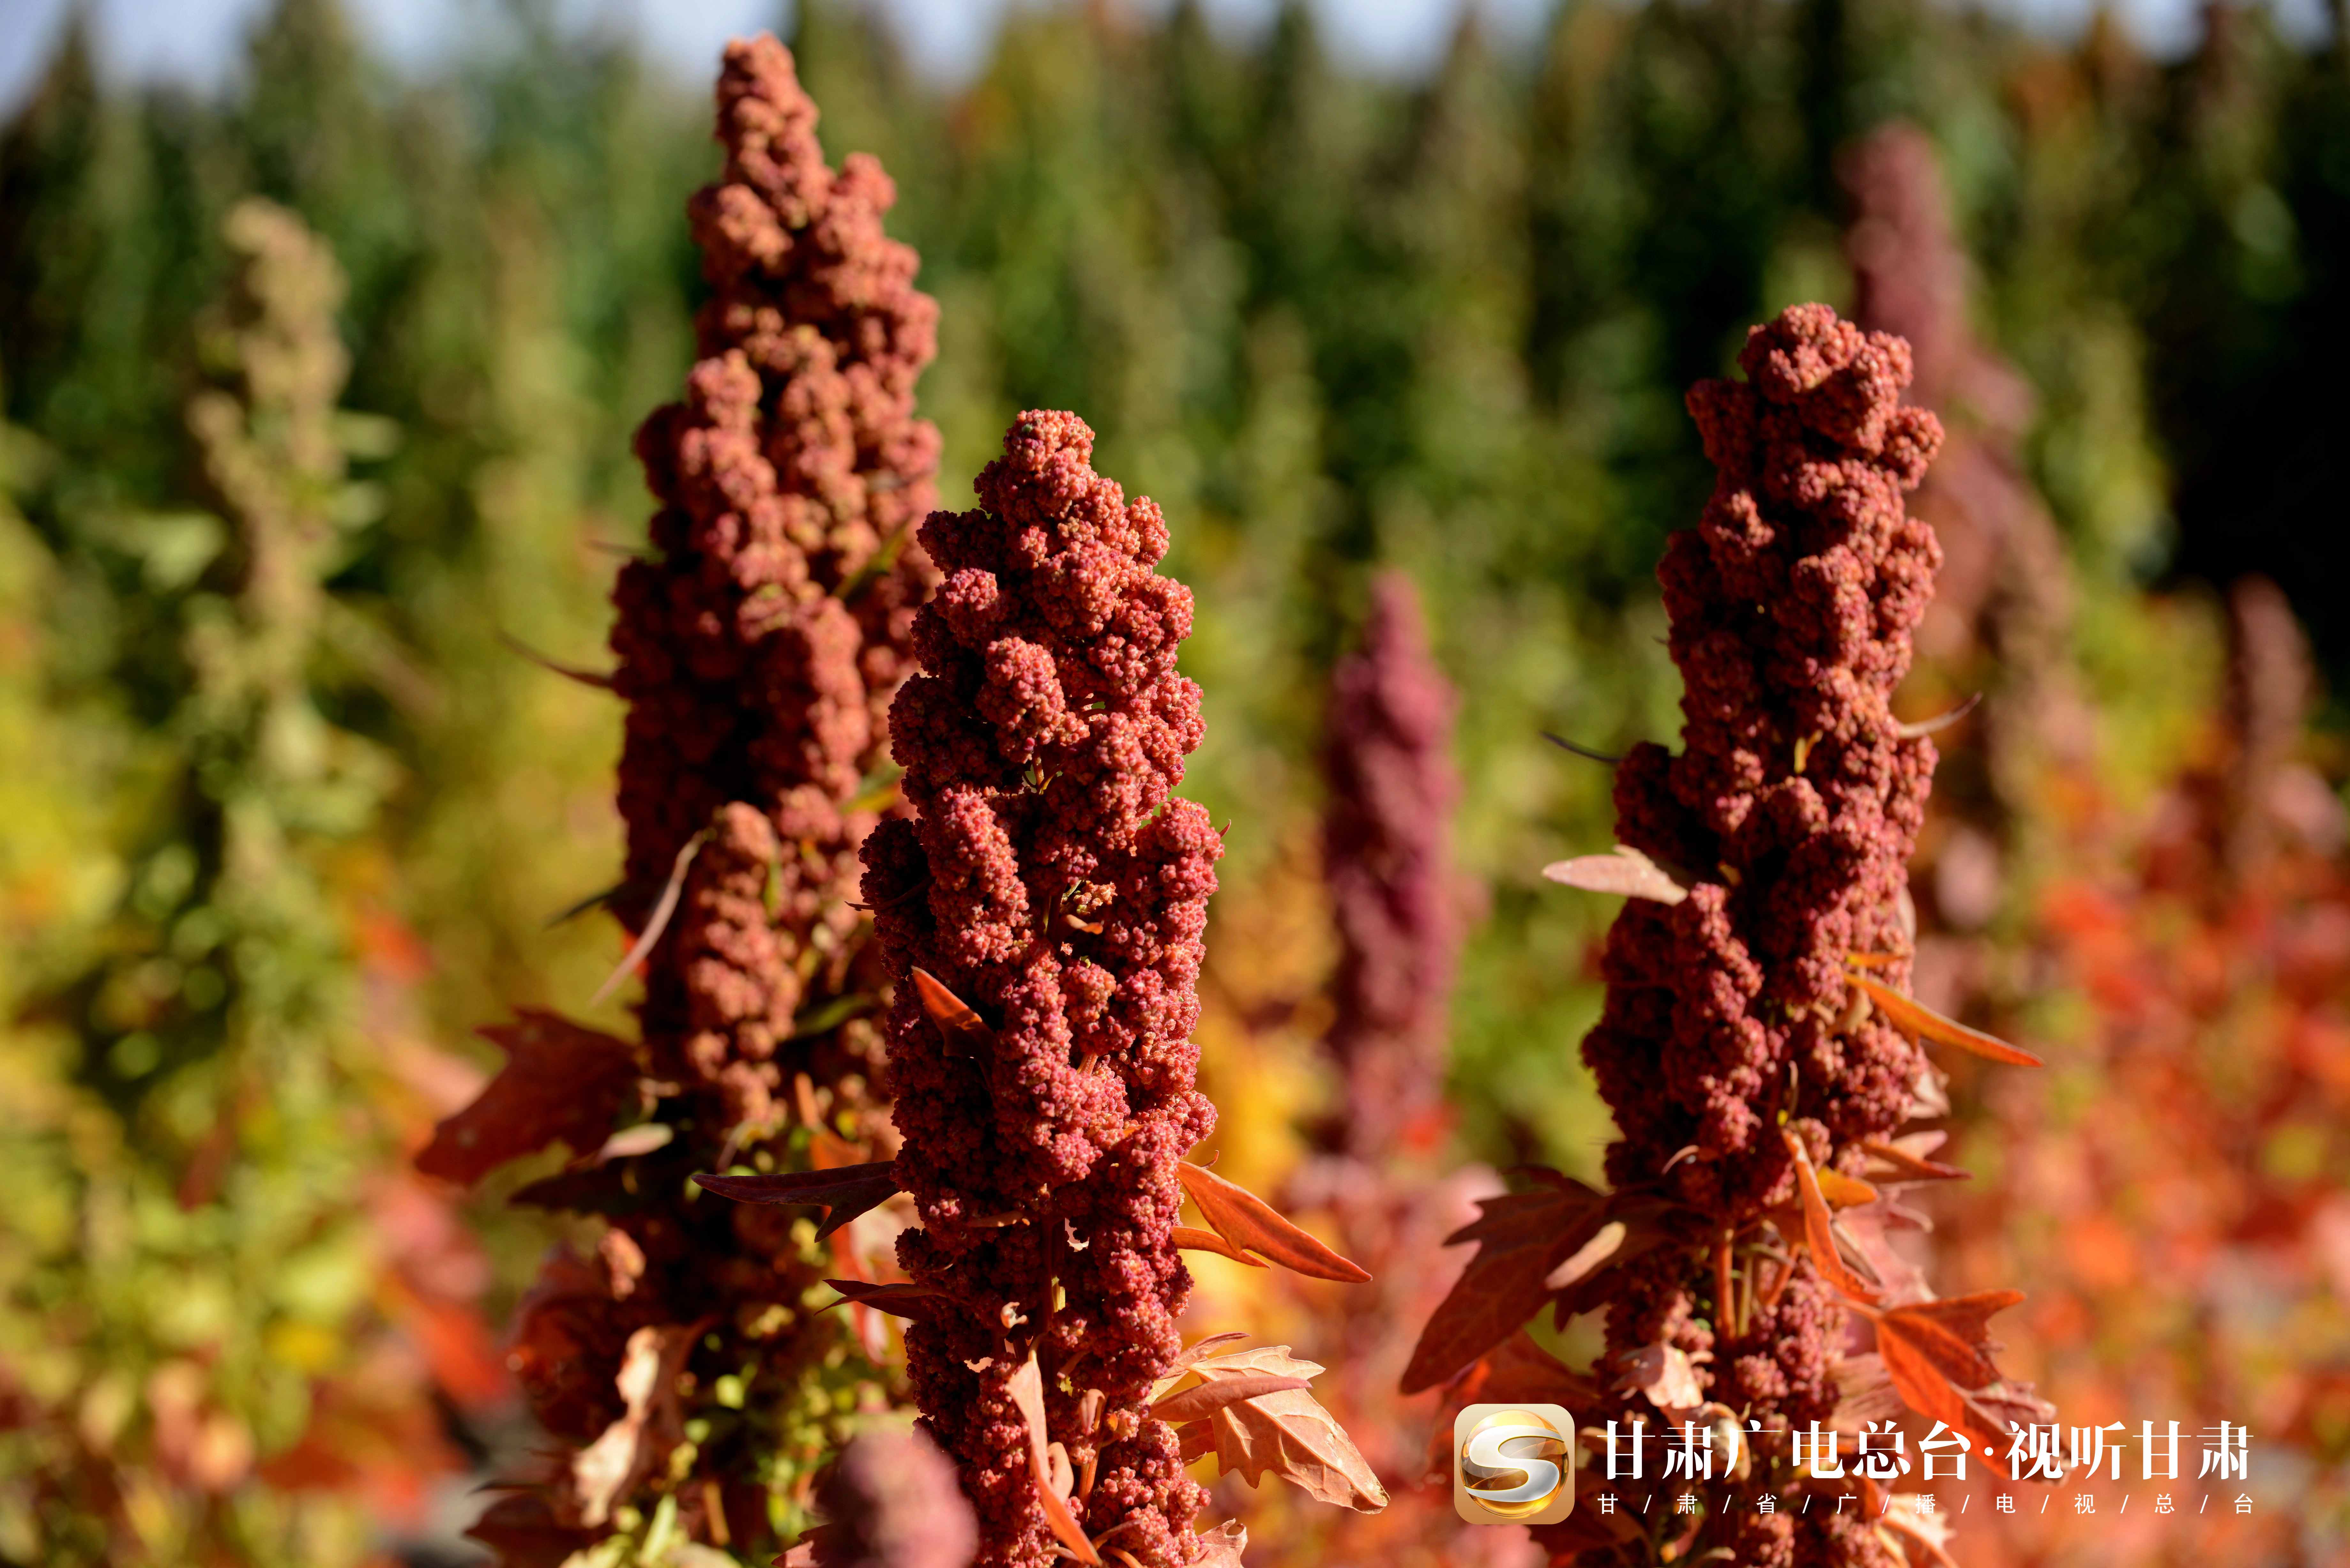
(1204, 1399)
(1819, 1235)
(1844, 1191)
(1664, 1375)
(1221, 1547)
(1288, 1433)
(1192, 1239)
(1626, 871)
(964, 1030)
(1904, 1162)
(1919, 1022)
(1027, 1390)
(1245, 1219)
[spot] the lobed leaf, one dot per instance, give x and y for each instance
(1287, 1433)
(562, 1082)
(1245, 1219)
(1525, 1240)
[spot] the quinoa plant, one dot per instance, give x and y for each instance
(1758, 1046)
(1043, 909)
(683, 1366)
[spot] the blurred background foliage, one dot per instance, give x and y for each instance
(1329, 321)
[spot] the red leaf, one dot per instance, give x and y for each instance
(1207, 1346)
(1919, 1022)
(1198, 1240)
(1245, 1219)
(1937, 1353)
(847, 1191)
(899, 1300)
(1204, 1399)
(961, 1029)
(563, 1083)
(1819, 1233)
(1521, 1237)
(1027, 1390)
(1912, 1165)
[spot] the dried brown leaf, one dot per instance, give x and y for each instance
(1626, 871)
(647, 1431)
(1245, 1219)
(1221, 1547)
(1665, 1375)
(563, 1083)
(1288, 1433)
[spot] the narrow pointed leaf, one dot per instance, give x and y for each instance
(964, 1031)
(849, 1190)
(900, 1300)
(1819, 1233)
(1245, 1219)
(1919, 1022)
(1027, 1390)
(1911, 1166)
(1844, 1191)
(1193, 1239)
(1628, 871)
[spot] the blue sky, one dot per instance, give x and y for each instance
(198, 41)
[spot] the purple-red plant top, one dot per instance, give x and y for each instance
(1789, 815)
(1051, 879)
(890, 1502)
(1387, 848)
(760, 646)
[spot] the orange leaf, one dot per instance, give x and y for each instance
(1245, 1219)
(1204, 1399)
(1872, 960)
(1198, 1241)
(1198, 1348)
(1844, 1191)
(1919, 1022)
(1223, 1545)
(1521, 1239)
(1026, 1388)
(847, 1190)
(563, 1083)
(1908, 1163)
(961, 1029)
(1936, 1353)
(1819, 1235)
(1199, 1439)
(1287, 1432)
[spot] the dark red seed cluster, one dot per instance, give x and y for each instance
(1387, 859)
(1789, 815)
(1050, 879)
(759, 646)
